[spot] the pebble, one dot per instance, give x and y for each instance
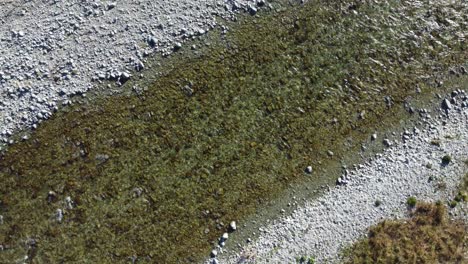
(308, 169)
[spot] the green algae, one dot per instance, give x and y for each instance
(218, 136)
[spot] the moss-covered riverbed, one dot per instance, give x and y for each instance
(155, 176)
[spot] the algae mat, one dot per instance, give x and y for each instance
(154, 177)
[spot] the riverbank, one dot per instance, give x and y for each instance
(52, 51)
(377, 189)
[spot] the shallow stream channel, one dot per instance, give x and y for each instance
(223, 129)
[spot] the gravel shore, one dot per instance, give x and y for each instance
(410, 167)
(51, 50)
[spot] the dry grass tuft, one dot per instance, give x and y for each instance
(427, 237)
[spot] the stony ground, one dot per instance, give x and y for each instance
(50, 50)
(410, 167)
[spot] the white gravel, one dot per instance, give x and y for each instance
(321, 228)
(50, 50)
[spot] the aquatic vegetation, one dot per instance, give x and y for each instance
(158, 175)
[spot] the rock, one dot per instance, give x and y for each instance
(463, 70)
(374, 137)
(330, 153)
(454, 101)
(446, 105)
(139, 66)
(225, 236)
(362, 115)
(69, 203)
(124, 77)
(51, 197)
(308, 169)
(1, 219)
(187, 89)
(388, 101)
(253, 10)
(232, 226)
(214, 261)
(177, 46)
(387, 142)
(214, 253)
(101, 158)
(137, 192)
(341, 181)
(59, 215)
(111, 6)
(152, 41)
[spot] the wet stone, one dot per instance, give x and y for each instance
(233, 226)
(59, 215)
(51, 197)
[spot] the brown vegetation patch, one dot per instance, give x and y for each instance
(427, 237)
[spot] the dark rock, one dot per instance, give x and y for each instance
(446, 105)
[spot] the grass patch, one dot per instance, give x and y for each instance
(435, 142)
(305, 260)
(427, 237)
(462, 195)
(158, 175)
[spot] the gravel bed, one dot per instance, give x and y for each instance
(51, 50)
(411, 167)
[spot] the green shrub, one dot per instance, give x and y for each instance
(435, 142)
(446, 159)
(461, 197)
(305, 260)
(453, 204)
(411, 201)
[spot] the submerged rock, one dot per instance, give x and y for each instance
(232, 226)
